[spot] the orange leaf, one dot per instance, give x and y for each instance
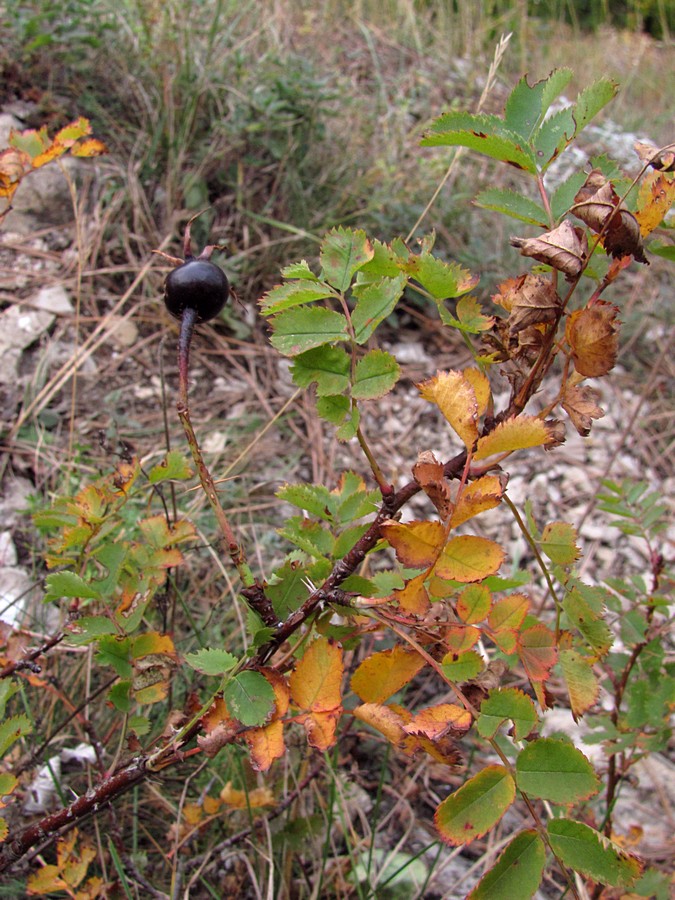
(266, 744)
(413, 598)
(593, 336)
(417, 544)
(460, 638)
(383, 674)
(455, 397)
(320, 728)
(656, 196)
(317, 678)
(537, 651)
(436, 721)
(52, 152)
(517, 433)
(13, 166)
(220, 729)
(477, 496)
(469, 558)
(389, 722)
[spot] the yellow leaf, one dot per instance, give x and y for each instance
(509, 612)
(383, 719)
(517, 433)
(476, 497)
(413, 598)
(383, 674)
(582, 684)
(316, 680)
(89, 147)
(455, 397)
(193, 813)
(656, 196)
(469, 558)
(254, 799)
(436, 721)
(52, 152)
(417, 544)
(481, 388)
(474, 603)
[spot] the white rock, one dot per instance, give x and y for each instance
(53, 299)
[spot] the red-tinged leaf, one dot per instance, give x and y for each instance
(265, 745)
(474, 603)
(73, 132)
(469, 558)
(417, 544)
(585, 850)
(414, 597)
(476, 807)
(656, 196)
(517, 433)
(565, 248)
(460, 638)
(582, 685)
(517, 872)
(436, 721)
(537, 651)
(456, 399)
(383, 674)
(428, 473)
(558, 541)
(316, 681)
(321, 728)
(476, 497)
(502, 705)
(88, 148)
(593, 336)
(555, 770)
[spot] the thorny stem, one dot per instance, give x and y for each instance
(235, 551)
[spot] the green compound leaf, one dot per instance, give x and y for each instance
(517, 873)
(115, 652)
(558, 541)
(582, 685)
(375, 375)
(555, 770)
(502, 705)
(476, 807)
(174, 466)
(563, 196)
(343, 252)
(523, 109)
(211, 661)
(514, 205)
(68, 584)
(315, 498)
(441, 279)
(588, 852)
(374, 303)
(91, 628)
(553, 136)
(329, 367)
(485, 134)
(249, 697)
(588, 622)
(299, 269)
(11, 730)
(592, 99)
(293, 293)
(297, 330)
(470, 317)
(462, 667)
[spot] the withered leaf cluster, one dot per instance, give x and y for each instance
(598, 205)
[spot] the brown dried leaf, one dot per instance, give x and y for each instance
(593, 336)
(534, 302)
(428, 473)
(662, 160)
(565, 248)
(580, 404)
(603, 211)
